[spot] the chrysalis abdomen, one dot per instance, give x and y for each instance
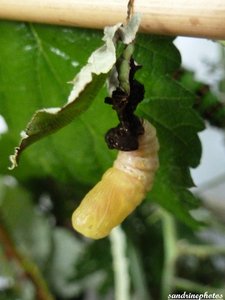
(121, 188)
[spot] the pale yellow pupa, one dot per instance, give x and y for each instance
(121, 188)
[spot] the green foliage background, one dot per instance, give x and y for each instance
(37, 199)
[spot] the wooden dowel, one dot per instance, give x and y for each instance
(197, 18)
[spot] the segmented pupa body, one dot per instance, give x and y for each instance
(121, 189)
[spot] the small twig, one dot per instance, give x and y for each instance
(130, 9)
(30, 269)
(188, 285)
(182, 17)
(200, 251)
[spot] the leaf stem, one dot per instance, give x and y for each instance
(30, 269)
(120, 264)
(170, 250)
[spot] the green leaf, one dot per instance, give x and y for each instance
(45, 58)
(86, 86)
(48, 121)
(169, 107)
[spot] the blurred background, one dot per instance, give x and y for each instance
(147, 258)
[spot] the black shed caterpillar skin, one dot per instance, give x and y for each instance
(121, 189)
(125, 136)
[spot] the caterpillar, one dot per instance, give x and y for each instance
(121, 189)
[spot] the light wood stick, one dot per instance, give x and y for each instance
(197, 18)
